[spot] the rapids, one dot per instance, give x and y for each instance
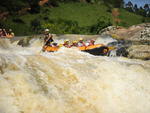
(70, 81)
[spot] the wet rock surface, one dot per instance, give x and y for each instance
(139, 52)
(133, 42)
(24, 42)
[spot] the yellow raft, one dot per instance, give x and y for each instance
(97, 49)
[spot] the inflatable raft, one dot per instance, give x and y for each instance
(98, 49)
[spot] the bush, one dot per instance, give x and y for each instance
(18, 20)
(53, 3)
(61, 26)
(101, 24)
(13, 6)
(35, 25)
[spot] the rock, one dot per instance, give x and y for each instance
(24, 42)
(145, 34)
(107, 30)
(139, 52)
(122, 52)
(132, 42)
(134, 33)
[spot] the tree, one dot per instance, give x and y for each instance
(101, 24)
(114, 3)
(147, 9)
(35, 25)
(142, 11)
(129, 6)
(34, 5)
(13, 6)
(135, 8)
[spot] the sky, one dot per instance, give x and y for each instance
(139, 2)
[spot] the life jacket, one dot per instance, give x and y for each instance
(48, 38)
(74, 45)
(66, 45)
(91, 44)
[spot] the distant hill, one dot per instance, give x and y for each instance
(71, 18)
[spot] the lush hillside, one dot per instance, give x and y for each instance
(77, 18)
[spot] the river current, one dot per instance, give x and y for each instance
(70, 81)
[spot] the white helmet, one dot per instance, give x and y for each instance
(46, 30)
(81, 39)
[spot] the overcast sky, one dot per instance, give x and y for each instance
(139, 2)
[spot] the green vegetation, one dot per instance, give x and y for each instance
(69, 17)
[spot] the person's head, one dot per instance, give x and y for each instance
(1, 30)
(92, 41)
(66, 41)
(46, 31)
(81, 40)
(74, 43)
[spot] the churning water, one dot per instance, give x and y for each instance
(70, 81)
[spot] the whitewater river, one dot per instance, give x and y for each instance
(70, 81)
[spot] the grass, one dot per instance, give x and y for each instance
(85, 14)
(130, 18)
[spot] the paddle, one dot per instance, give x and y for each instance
(43, 49)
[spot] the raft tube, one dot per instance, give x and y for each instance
(98, 49)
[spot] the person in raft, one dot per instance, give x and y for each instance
(81, 43)
(48, 38)
(10, 34)
(3, 33)
(74, 44)
(66, 44)
(91, 43)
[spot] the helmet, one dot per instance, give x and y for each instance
(46, 30)
(66, 40)
(80, 39)
(74, 41)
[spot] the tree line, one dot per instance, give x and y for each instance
(13, 6)
(144, 11)
(32, 6)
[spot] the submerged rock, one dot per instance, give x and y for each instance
(139, 52)
(25, 41)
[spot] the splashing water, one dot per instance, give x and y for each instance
(70, 81)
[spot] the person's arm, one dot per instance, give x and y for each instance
(4, 32)
(12, 34)
(84, 44)
(51, 37)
